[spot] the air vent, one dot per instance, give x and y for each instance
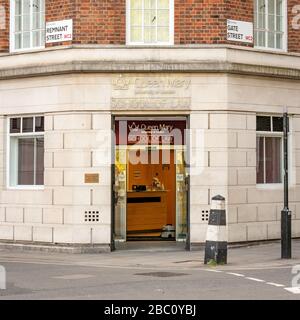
(92, 216)
(205, 215)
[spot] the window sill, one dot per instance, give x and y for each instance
(270, 186)
(26, 188)
(274, 50)
(16, 51)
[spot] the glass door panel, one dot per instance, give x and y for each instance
(120, 191)
(181, 197)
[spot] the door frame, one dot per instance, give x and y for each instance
(113, 154)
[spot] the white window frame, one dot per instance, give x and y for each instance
(8, 163)
(171, 28)
(285, 30)
(12, 30)
(271, 134)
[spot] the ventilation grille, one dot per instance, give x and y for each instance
(205, 215)
(92, 216)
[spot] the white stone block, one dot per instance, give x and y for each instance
(197, 212)
(101, 157)
(237, 158)
(72, 159)
(251, 159)
(296, 229)
(247, 176)
(48, 122)
(77, 177)
(237, 233)
(53, 215)
(218, 158)
(101, 234)
(76, 215)
(6, 232)
(2, 214)
(251, 121)
(78, 121)
(247, 213)
(259, 195)
(232, 214)
(48, 159)
(274, 230)
(199, 195)
(198, 232)
(215, 176)
(72, 196)
(54, 140)
(295, 123)
(213, 139)
(82, 234)
(63, 234)
(14, 215)
(237, 195)
(232, 177)
(43, 234)
(247, 139)
(257, 231)
(23, 233)
(33, 215)
(101, 195)
(199, 120)
(53, 177)
(101, 121)
(82, 140)
(227, 120)
(267, 212)
(27, 197)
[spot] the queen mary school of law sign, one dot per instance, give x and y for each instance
(153, 92)
(240, 31)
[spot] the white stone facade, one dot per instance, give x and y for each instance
(78, 120)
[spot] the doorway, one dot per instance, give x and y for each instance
(150, 180)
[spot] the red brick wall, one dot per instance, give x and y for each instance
(4, 32)
(100, 22)
(294, 34)
(196, 21)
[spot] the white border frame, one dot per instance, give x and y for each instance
(171, 26)
(8, 136)
(12, 48)
(285, 31)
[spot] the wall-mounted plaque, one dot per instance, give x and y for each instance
(91, 178)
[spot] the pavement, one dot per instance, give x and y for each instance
(152, 271)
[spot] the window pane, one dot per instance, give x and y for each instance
(163, 4)
(277, 124)
(26, 40)
(26, 161)
(273, 160)
(27, 125)
(263, 123)
(15, 125)
(18, 23)
(36, 20)
(279, 41)
(271, 6)
(259, 160)
(36, 38)
(26, 6)
(18, 41)
(150, 17)
(271, 22)
(40, 161)
(261, 6)
(163, 18)
(163, 34)
(279, 7)
(261, 38)
(271, 40)
(136, 34)
(150, 4)
(136, 4)
(136, 18)
(39, 124)
(26, 23)
(150, 35)
(18, 7)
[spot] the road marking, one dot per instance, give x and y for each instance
(74, 277)
(275, 284)
(294, 290)
(235, 274)
(212, 270)
(255, 279)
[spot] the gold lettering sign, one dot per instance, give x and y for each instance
(91, 178)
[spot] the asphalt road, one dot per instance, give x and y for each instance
(150, 275)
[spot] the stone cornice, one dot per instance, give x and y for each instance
(156, 60)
